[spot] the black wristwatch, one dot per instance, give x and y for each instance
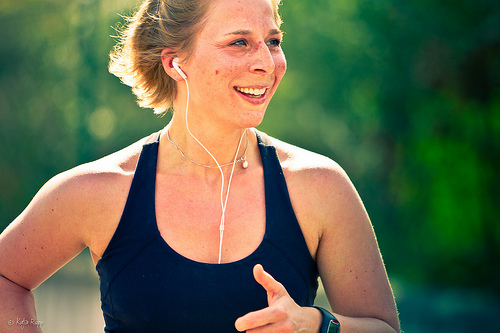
(330, 324)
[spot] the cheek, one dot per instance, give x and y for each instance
(280, 66)
(225, 72)
(216, 80)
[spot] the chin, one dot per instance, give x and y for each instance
(252, 118)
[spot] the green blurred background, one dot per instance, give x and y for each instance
(405, 95)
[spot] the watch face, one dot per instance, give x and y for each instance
(333, 327)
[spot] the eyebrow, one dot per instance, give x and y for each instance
(248, 32)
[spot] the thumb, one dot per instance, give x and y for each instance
(275, 290)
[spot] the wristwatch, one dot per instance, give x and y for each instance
(330, 324)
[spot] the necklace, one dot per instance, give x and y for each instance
(241, 159)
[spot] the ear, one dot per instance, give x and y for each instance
(167, 56)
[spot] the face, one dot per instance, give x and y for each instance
(236, 65)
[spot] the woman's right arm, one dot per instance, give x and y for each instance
(76, 209)
(51, 231)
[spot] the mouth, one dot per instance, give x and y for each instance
(251, 92)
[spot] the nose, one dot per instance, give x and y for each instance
(262, 60)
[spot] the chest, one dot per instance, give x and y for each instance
(189, 215)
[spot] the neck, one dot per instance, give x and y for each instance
(189, 146)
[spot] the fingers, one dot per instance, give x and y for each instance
(270, 315)
(274, 288)
(260, 318)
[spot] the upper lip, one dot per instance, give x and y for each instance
(253, 86)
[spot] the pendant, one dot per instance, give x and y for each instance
(244, 164)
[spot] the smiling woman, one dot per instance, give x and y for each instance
(237, 52)
(208, 224)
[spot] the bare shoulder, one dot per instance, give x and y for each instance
(120, 163)
(322, 195)
(92, 196)
(305, 167)
(78, 208)
(95, 181)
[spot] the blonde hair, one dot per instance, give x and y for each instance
(158, 24)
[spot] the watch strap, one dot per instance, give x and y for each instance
(330, 324)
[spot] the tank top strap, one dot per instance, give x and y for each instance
(282, 228)
(137, 226)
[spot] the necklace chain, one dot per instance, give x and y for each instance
(241, 159)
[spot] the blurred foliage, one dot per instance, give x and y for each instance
(404, 95)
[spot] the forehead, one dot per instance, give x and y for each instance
(231, 15)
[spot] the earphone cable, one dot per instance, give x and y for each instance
(223, 202)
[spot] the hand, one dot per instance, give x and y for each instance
(282, 314)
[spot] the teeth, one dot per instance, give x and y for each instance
(251, 91)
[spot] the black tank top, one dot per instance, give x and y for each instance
(148, 287)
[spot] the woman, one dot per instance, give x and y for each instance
(208, 225)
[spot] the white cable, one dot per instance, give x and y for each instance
(221, 228)
(222, 201)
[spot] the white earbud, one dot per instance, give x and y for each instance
(175, 63)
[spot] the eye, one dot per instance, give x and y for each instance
(274, 42)
(239, 42)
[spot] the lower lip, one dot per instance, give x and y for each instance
(253, 100)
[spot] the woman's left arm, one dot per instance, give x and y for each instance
(349, 260)
(333, 216)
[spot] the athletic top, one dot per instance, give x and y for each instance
(146, 286)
